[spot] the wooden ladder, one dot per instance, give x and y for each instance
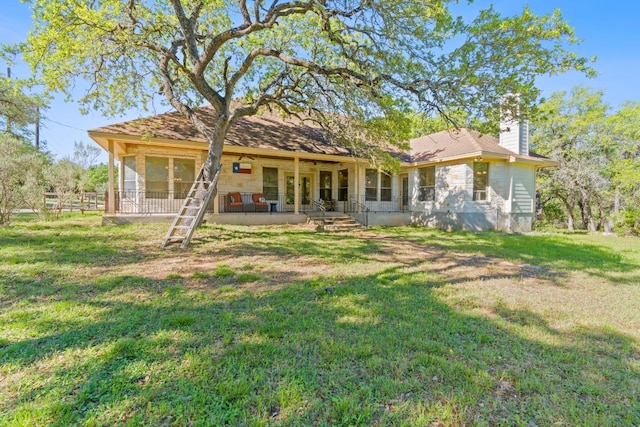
(192, 211)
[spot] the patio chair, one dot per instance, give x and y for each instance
(260, 202)
(233, 202)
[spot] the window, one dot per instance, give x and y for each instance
(291, 188)
(325, 185)
(371, 185)
(372, 178)
(183, 177)
(129, 175)
(385, 187)
(480, 180)
(157, 177)
(405, 191)
(343, 185)
(270, 183)
(427, 184)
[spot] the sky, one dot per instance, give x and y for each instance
(609, 31)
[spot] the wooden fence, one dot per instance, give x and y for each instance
(75, 201)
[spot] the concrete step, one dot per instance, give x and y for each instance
(343, 227)
(335, 222)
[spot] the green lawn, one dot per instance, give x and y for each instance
(286, 326)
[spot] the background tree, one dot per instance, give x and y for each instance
(64, 179)
(90, 176)
(21, 167)
(19, 110)
(85, 155)
(96, 179)
(598, 156)
(361, 59)
(624, 170)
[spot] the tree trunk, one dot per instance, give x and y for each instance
(214, 157)
(569, 208)
(570, 223)
(610, 222)
(213, 162)
(587, 213)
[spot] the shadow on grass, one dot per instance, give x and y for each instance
(293, 242)
(70, 245)
(555, 251)
(372, 349)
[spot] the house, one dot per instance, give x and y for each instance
(455, 179)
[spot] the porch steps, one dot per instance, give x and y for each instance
(192, 211)
(336, 223)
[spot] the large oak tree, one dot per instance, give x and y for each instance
(366, 60)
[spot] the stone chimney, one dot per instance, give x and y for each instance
(514, 132)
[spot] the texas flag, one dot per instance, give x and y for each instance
(242, 167)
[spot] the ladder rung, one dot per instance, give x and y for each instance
(195, 201)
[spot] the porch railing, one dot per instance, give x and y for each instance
(358, 211)
(396, 204)
(148, 202)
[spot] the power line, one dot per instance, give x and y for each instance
(67, 126)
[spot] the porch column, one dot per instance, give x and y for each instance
(358, 194)
(216, 206)
(296, 184)
(111, 206)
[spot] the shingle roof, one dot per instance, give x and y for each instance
(266, 131)
(272, 132)
(453, 143)
(456, 143)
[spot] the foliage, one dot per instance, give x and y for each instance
(393, 326)
(19, 110)
(63, 178)
(21, 168)
(599, 154)
(89, 176)
(365, 60)
(96, 179)
(624, 171)
(85, 155)
(26, 174)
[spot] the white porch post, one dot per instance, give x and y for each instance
(358, 194)
(216, 205)
(296, 184)
(111, 207)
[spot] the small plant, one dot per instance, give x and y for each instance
(248, 277)
(200, 275)
(223, 270)
(181, 319)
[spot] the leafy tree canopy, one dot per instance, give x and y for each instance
(328, 58)
(599, 155)
(19, 109)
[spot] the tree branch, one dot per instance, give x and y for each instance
(188, 27)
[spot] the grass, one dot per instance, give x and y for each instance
(286, 326)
